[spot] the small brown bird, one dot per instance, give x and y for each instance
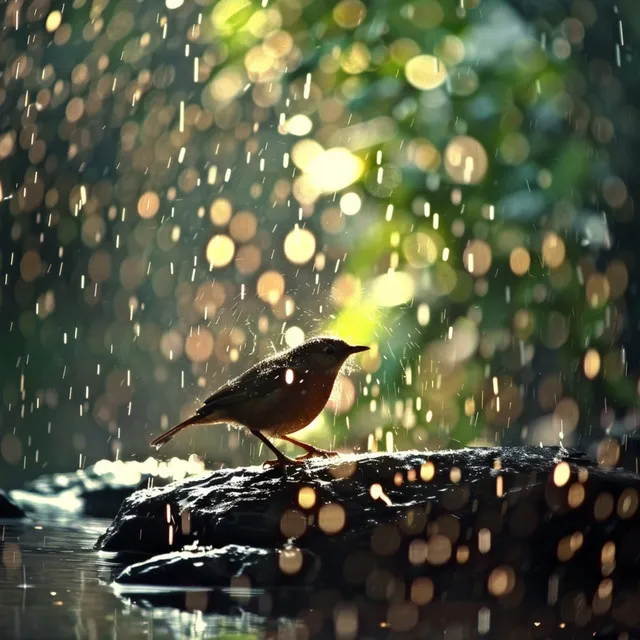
(278, 396)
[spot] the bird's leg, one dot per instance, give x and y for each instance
(281, 460)
(310, 449)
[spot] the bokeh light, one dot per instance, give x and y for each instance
(425, 72)
(220, 251)
(299, 245)
(190, 188)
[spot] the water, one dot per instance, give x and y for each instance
(53, 585)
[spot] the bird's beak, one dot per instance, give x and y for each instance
(357, 349)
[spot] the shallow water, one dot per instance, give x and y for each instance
(53, 585)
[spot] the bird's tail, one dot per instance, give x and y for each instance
(163, 438)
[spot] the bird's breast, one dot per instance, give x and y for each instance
(293, 406)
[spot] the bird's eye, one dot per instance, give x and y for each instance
(330, 351)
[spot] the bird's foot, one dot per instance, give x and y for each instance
(317, 453)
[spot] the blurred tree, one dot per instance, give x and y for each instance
(503, 191)
(184, 186)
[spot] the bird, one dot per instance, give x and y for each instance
(277, 396)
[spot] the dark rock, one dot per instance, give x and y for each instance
(99, 490)
(206, 568)
(520, 539)
(8, 508)
(248, 506)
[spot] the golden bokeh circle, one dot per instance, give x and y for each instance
(501, 581)
(465, 160)
(349, 14)
(198, 345)
(331, 518)
(243, 226)
(597, 290)
(248, 259)
(290, 560)
(220, 212)
(591, 364)
(477, 257)
(270, 287)
(54, 20)
(299, 245)
(561, 474)
(425, 72)
(519, 261)
(422, 590)
(148, 204)
(220, 251)
(293, 523)
(346, 290)
(350, 203)
(553, 250)
(566, 415)
(307, 497)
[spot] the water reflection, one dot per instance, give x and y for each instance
(53, 585)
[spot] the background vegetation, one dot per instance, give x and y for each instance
(187, 186)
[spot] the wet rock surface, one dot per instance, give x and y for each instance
(230, 566)
(251, 506)
(99, 490)
(8, 508)
(520, 539)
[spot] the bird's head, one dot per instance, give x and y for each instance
(325, 353)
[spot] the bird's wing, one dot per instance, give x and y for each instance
(259, 381)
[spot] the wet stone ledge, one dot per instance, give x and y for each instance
(229, 566)
(524, 539)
